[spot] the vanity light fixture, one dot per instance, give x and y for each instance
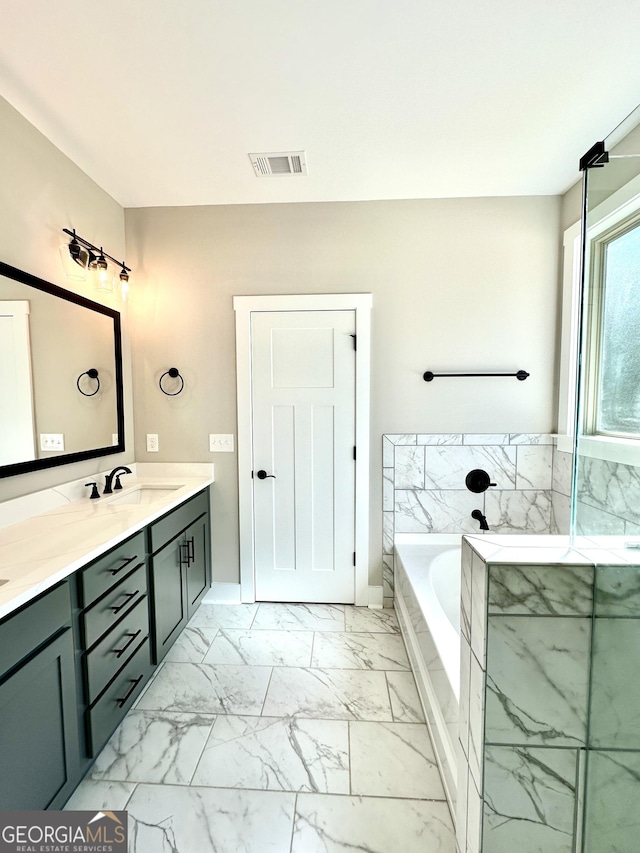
(79, 256)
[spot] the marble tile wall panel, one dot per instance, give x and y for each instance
(562, 472)
(474, 818)
(479, 580)
(615, 690)
(556, 590)
(530, 438)
(560, 513)
(447, 467)
(409, 467)
(537, 679)
(387, 489)
(476, 720)
(518, 511)
(618, 591)
(387, 532)
(485, 438)
(529, 800)
(436, 511)
(613, 793)
(387, 452)
(465, 590)
(465, 686)
(387, 576)
(534, 466)
(461, 808)
(592, 520)
(611, 486)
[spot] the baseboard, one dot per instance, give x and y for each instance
(375, 597)
(223, 593)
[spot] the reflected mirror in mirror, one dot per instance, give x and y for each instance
(51, 411)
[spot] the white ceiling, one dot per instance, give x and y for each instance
(160, 101)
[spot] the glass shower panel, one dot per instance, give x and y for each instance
(606, 493)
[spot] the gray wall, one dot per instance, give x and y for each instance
(41, 192)
(457, 284)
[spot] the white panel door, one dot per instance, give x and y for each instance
(17, 427)
(303, 424)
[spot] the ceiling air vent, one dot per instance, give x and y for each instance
(280, 163)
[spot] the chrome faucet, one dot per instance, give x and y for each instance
(477, 514)
(108, 480)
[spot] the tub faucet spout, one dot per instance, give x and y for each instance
(477, 514)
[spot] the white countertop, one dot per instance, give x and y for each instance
(38, 552)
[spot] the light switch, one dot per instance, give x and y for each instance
(221, 443)
(51, 441)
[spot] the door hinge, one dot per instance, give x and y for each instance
(354, 558)
(354, 453)
(355, 341)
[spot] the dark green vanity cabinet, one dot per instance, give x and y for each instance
(180, 569)
(114, 637)
(40, 743)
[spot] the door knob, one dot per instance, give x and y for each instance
(262, 475)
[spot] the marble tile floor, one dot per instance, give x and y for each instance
(277, 728)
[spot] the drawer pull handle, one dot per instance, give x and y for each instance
(134, 683)
(126, 561)
(127, 598)
(119, 652)
(191, 550)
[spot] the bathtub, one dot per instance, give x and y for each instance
(427, 601)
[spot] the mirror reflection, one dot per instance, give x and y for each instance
(52, 408)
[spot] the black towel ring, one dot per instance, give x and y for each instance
(174, 373)
(92, 373)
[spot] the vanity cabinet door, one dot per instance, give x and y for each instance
(199, 564)
(168, 589)
(39, 739)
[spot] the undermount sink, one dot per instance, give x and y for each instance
(147, 494)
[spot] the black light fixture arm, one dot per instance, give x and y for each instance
(521, 375)
(97, 249)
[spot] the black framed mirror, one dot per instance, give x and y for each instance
(61, 394)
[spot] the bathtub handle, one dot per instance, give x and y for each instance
(478, 481)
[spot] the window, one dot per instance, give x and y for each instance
(613, 354)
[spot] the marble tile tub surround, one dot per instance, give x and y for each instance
(53, 533)
(275, 728)
(424, 486)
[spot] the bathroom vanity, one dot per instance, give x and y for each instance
(94, 595)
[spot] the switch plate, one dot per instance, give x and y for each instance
(114, 438)
(219, 443)
(51, 441)
(152, 442)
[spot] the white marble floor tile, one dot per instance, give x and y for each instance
(276, 754)
(405, 702)
(331, 824)
(224, 616)
(334, 694)
(359, 651)
(374, 621)
(91, 795)
(393, 760)
(204, 689)
(154, 746)
(170, 819)
(261, 648)
(299, 617)
(192, 645)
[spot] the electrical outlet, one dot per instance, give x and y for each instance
(152, 442)
(221, 443)
(51, 441)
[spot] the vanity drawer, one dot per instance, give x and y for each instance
(119, 696)
(175, 522)
(106, 612)
(105, 659)
(97, 578)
